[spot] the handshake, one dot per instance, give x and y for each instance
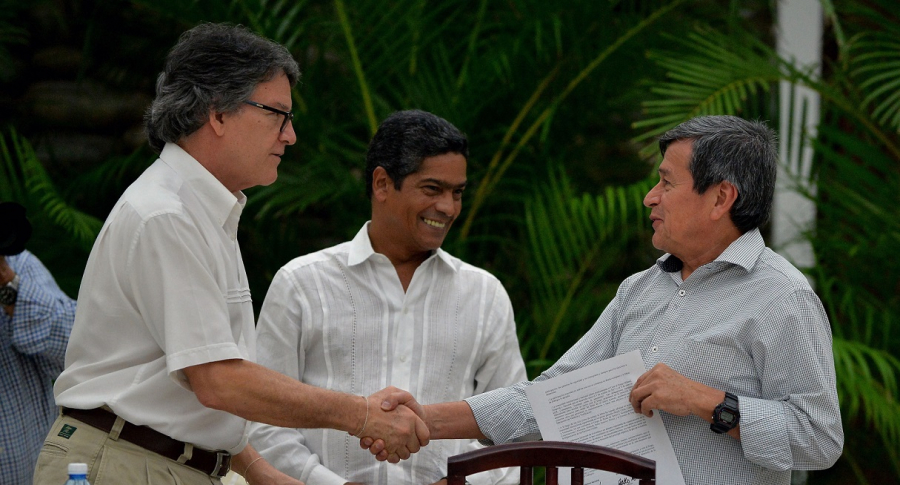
(394, 426)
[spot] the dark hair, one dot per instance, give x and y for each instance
(730, 148)
(405, 139)
(213, 67)
(15, 229)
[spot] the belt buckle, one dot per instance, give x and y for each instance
(223, 464)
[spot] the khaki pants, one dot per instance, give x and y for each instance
(110, 460)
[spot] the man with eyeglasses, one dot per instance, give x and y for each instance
(160, 381)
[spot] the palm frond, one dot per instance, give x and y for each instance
(497, 168)
(715, 76)
(26, 181)
(573, 241)
(867, 387)
(876, 63)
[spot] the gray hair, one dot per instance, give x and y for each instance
(405, 139)
(213, 67)
(730, 148)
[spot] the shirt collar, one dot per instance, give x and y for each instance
(361, 250)
(743, 252)
(225, 207)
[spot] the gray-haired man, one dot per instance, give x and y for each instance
(160, 380)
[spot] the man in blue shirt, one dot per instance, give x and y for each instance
(34, 329)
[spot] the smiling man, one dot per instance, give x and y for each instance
(160, 380)
(737, 343)
(390, 308)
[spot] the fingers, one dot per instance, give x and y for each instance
(403, 453)
(391, 397)
(399, 432)
(414, 440)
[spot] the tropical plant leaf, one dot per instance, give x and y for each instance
(573, 241)
(876, 64)
(26, 182)
(716, 75)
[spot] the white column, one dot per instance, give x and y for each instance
(799, 38)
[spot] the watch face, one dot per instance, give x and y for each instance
(8, 295)
(726, 416)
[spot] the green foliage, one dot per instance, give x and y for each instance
(62, 235)
(712, 73)
(25, 181)
(573, 242)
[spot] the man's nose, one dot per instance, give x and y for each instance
(288, 135)
(652, 197)
(446, 204)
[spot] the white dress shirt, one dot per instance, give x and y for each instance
(747, 323)
(164, 289)
(339, 319)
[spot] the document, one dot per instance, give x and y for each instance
(590, 405)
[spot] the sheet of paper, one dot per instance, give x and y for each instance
(590, 405)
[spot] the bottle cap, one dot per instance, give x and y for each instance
(77, 468)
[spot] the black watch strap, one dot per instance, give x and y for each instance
(727, 414)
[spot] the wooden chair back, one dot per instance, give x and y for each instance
(550, 455)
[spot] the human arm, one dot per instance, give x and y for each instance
(501, 365)
(505, 415)
(795, 422)
(198, 311)
(42, 317)
(288, 450)
(283, 330)
(258, 394)
(666, 390)
(255, 469)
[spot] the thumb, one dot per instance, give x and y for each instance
(394, 399)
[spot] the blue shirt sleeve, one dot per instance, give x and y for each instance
(43, 314)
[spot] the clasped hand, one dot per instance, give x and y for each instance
(396, 420)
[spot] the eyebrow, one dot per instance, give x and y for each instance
(443, 184)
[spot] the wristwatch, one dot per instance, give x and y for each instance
(727, 414)
(9, 292)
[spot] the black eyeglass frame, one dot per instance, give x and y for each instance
(288, 116)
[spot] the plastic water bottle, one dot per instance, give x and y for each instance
(77, 474)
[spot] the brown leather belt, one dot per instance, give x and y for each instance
(213, 463)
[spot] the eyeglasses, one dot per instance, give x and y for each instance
(288, 116)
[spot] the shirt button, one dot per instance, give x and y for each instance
(681, 292)
(654, 349)
(402, 358)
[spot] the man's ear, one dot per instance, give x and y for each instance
(726, 196)
(381, 183)
(217, 122)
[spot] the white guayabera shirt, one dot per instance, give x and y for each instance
(339, 319)
(747, 323)
(164, 289)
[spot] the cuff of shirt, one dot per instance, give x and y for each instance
(501, 419)
(321, 475)
(764, 434)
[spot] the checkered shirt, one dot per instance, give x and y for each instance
(747, 323)
(32, 352)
